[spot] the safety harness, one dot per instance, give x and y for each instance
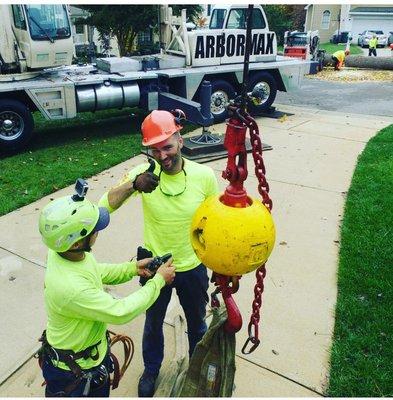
(69, 358)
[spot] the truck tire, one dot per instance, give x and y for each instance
(222, 92)
(16, 125)
(265, 81)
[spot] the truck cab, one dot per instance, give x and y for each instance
(35, 36)
(224, 41)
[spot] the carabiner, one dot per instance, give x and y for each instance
(253, 340)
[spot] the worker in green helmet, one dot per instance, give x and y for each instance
(75, 356)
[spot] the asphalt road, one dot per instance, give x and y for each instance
(372, 98)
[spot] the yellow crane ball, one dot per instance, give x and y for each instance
(232, 241)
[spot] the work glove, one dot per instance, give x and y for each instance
(146, 182)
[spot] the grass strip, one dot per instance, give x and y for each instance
(331, 48)
(64, 150)
(362, 352)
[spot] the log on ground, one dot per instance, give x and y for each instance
(381, 63)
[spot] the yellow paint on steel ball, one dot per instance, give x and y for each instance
(232, 241)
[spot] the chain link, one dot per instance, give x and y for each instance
(263, 189)
(260, 170)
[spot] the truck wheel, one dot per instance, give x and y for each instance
(222, 92)
(16, 124)
(266, 84)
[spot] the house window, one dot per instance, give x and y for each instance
(79, 29)
(325, 20)
(145, 37)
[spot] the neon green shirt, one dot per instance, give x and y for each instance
(78, 308)
(167, 219)
(373, 43)
(340, 55)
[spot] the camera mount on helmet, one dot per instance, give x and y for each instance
(81, 188)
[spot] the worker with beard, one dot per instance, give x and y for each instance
(171, 190)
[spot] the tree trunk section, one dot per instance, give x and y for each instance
(385, 63)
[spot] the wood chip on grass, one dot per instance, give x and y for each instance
(350, 75)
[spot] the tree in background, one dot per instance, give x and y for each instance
(105, 40)
(122, 21)
(298, 16)
(284, 17)
(193, 11)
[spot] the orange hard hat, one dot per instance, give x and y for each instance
(159, 125)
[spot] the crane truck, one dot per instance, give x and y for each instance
(37, 73)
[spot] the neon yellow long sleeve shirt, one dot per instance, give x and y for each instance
(373, 43)
(169, 209)
(79, 309)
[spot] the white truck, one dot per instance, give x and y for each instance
(36, 73)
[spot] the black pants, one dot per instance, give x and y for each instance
(336, 63)
(191, 287)
(57, 380)
(372, 51)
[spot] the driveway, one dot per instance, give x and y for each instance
(367, 98)
(381, 52)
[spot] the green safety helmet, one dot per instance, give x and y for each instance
(64, 221)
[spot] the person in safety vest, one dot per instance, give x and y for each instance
(75, 356)
(372, 46)
(339, 58)
(171, 190)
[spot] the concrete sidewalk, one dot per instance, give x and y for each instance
(309, 171)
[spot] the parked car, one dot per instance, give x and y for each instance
(365, 37)
(390, 38)
(341, 37)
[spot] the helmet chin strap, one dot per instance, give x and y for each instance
(86, 246)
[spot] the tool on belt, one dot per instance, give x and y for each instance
(69, 358)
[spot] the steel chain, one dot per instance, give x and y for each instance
(263, 189)
(260, 170)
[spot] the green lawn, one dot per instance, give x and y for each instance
(362, 353)
(65, 150)
(331, 48)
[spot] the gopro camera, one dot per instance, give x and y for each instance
(81, 188)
